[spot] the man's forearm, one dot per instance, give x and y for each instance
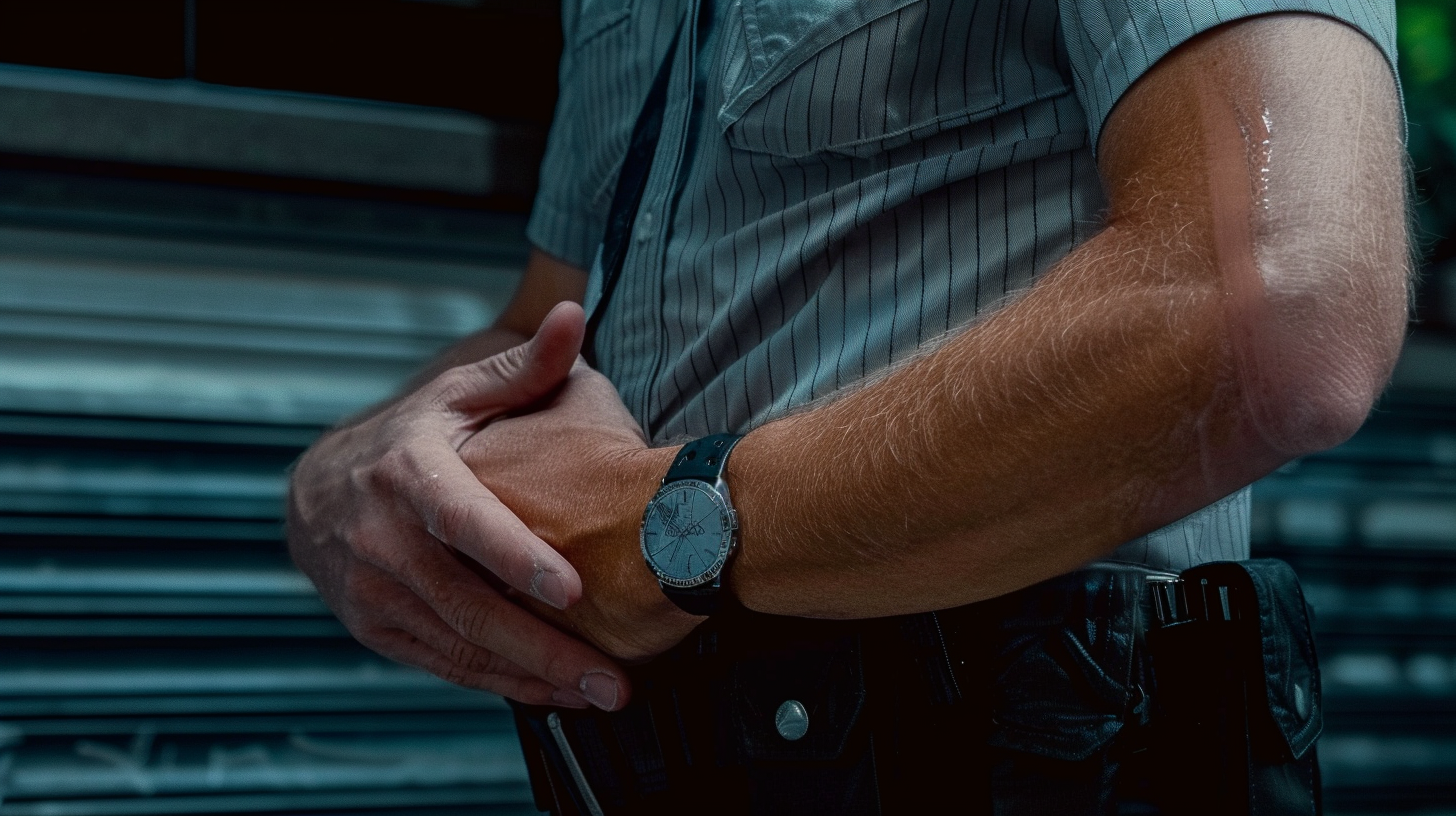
(1099, 407)
(1198, 342)
(1231, 315)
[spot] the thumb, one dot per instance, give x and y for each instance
(523, 374)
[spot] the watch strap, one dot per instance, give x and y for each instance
(698, 600)
(702, 458)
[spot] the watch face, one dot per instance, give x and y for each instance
(687, 533)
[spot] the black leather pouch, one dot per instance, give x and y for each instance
(1238, 691)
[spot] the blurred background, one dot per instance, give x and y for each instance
(224, 224)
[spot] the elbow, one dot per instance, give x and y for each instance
(1314, 356)
(1305, 415)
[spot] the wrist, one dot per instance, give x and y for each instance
(643, 471)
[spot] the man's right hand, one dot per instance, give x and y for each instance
(418, 559)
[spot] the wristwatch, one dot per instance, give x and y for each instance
(690, 528)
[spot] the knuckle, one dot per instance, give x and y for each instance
(474, 659)
(390, 470)
(452, 520)
(558, 669)
(462, 652)
(375, 479)
(449, 381)
(474, 619)
(453, 673)
(455, 384)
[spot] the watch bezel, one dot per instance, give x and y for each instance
(729, 535)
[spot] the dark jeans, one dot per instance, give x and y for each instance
(1038, 702)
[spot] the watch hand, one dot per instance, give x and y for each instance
(696, 525)
(669, 520)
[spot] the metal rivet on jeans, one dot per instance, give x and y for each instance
(792, 720)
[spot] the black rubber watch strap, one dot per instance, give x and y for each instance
(702, 459)
(699, 600)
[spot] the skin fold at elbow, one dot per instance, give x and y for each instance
(1316, 347)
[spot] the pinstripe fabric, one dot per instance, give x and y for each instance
(841, 181)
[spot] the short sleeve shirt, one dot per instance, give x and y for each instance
(840, 182)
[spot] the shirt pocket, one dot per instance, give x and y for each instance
(857, 76)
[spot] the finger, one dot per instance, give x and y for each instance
(458, 510)
(457, 660)
(483, 617)
(403, 647)
(518, 376)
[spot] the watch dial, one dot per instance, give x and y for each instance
(685, 534)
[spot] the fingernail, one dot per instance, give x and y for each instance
(569, 698)
(601, 689)
(549, 588)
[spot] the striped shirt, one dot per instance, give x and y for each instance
(840, 182)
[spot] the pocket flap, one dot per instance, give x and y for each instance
(857, 78)
(780, 37)
(825, 678)
(1287, 647)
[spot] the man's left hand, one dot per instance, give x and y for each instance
(579, 472)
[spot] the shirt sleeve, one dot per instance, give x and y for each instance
(1111, 43)
(612, 51)
(562, 221)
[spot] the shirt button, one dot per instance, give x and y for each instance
(792, 720)
(645, 229)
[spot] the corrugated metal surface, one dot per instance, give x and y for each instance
(158, 653)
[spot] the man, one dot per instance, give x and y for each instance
(872, 237)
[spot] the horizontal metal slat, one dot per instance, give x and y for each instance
(63, 429)
(495, 800)
(122, 528)
(184, 330)
(490, 719)
(438, 699)
(174, 765)
(182, 123)
(222, 669)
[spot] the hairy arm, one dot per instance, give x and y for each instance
(1243, 305)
